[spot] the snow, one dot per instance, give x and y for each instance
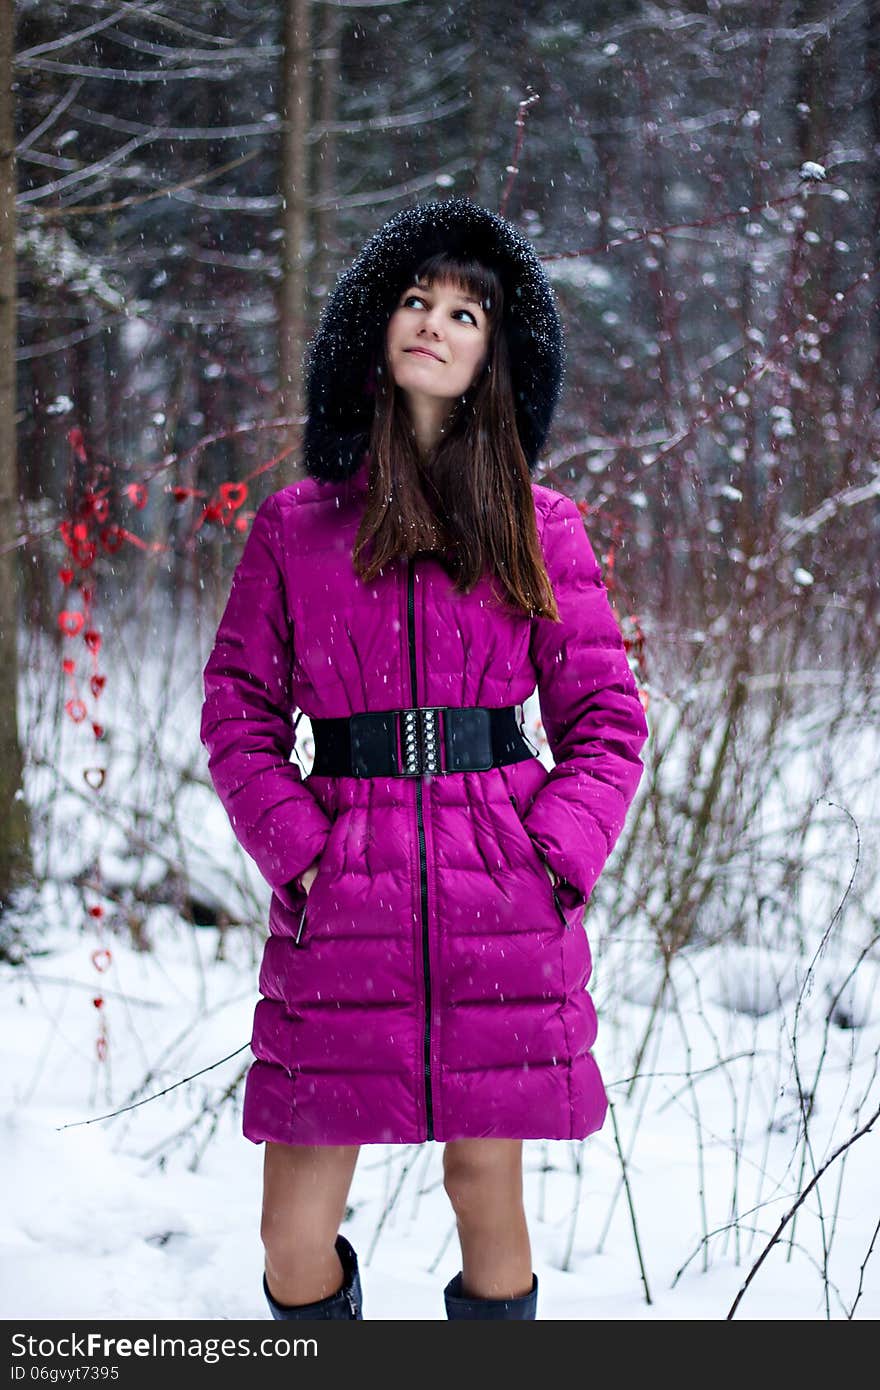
(146, 1216)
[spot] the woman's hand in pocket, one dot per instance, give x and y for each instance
(308, 878)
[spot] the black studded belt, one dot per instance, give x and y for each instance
(418, 742)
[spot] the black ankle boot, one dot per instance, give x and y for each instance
(514, 1309)
(347, 1302)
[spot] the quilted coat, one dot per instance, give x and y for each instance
(433, 984)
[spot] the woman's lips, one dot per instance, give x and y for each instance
(426, 352)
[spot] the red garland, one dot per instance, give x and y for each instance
(90, 532)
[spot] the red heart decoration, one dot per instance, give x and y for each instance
(212, 511)
(92, 639)
(84, 553)
(233, 494)
(98, 730)
(97, 684)
(88, 593)
(96, 911)
(69, 665)
(101, 958)
(70, 623)
(76, 709)
(98, 1002)
(95, 777)
(77, 443)
(100, 508)
(66, 576)
(137, 493)
(112, 538)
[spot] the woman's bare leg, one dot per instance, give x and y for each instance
(305, 1188)
(483, 1179)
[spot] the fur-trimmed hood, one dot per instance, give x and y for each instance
(339, 356)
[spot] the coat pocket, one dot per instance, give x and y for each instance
(560, 910)
(313, 918)
(302, 929)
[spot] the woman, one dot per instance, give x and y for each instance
(426, 969)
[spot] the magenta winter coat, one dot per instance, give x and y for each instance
(439, 986)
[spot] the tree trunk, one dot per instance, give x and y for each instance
(814, 75)
(295, 115)
(325, 176)
(15, 859)
(872, 67)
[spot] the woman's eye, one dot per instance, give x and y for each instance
(410, 297)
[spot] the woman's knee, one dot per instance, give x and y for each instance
(305, 1189)
(479, 1174)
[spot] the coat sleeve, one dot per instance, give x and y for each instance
(246, 721)
(591, 712)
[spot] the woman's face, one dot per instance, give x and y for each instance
(437, 340)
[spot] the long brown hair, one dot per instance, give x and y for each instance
(470, 500)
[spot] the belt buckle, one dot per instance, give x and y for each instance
(420, 740)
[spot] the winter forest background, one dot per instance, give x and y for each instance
(179, 186)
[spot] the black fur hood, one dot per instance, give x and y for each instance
(338, 358)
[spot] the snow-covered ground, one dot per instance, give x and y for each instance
(150, 1215)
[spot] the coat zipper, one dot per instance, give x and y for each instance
(297, 940)
(423, 855)
(559, 908)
